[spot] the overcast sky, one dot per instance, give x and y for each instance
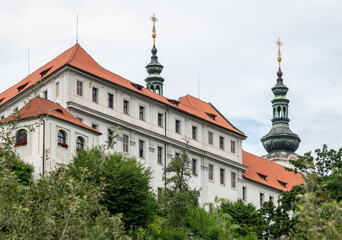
(230, 43)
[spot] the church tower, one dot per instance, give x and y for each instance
(154, 81)
(280, 143)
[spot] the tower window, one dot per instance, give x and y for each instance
(279, 112)
(222, 142)
(160, 120)
(125, 143)
(125, 107)
(284, 112)
(79, 88)
(177, 126)
(110, 100)
(210, 138)
(194, 132)
(95, 95)
(141, 113)
(158, 90)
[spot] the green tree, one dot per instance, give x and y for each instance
(56, 207)
(178, 198)
(127, 188)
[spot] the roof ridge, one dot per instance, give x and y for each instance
(73, 53)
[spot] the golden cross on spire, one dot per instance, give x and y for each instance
(154, 19)
(279, 44)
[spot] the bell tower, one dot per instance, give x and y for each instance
(154, 81)
(280, 143)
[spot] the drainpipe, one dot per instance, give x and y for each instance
(165, 152)
(43, 158)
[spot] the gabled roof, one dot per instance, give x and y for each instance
(276, 175)
(39, 107)
(78, 58)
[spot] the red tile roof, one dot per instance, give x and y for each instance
(39, 106)
(77, 57)
(273, 172)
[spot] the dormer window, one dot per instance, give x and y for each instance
(174, 102)
(137, 86)
(59, 110)
(212, 116)
(262, 176)
(43, 73)
(20, 88)
(1, 99)
(283, 184)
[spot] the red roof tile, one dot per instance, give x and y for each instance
(77, 57)
(273, 172)
(39, 106)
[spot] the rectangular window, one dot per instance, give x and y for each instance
(125, 143)
(271, 199)
(244, 194)
(110, 137)
(95, 95)
(194, 167)
(160, 155)
(95, 126)
(194, 132)
(222, 143)
(110, 100)
(222, 176)
(233, 182)
(141, 148)
(210, 138)
(177, 155)
(141, 113)
(79, 88)
(177, 126)
(261, 199)
(211, 172)
(232, 146)
(57, 89)
(125, 106)
(160, 120)
(45, 94)
(159, 194)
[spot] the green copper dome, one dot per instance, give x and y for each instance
(154, 81)
(280, 141)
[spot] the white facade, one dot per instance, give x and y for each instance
(218, 171)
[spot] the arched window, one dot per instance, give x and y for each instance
(284, 112)
(279, 112)
(152, 88)
(157, 90)
(62, 139)
(21, 138)
(274, 113)
(79, 144)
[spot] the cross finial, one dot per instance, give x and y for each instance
(279, 44)
(154, 19)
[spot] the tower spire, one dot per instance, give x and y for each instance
(154, 81)
(280, 142)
